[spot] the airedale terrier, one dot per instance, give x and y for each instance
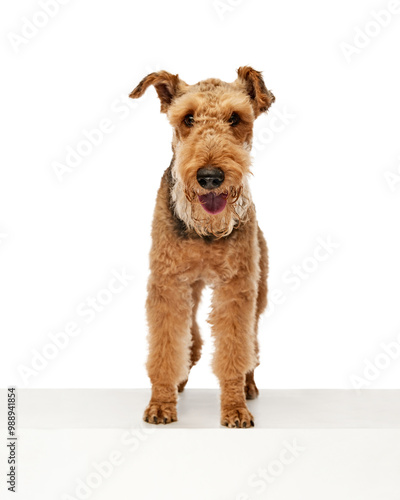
(205, 232)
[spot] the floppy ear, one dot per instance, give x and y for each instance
(167, 86)
(254, 85)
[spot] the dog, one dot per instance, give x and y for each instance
(205, 232)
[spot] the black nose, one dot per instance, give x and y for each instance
(210, 177)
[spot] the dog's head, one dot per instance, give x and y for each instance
(213, 130)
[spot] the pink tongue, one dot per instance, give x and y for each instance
(213, 204)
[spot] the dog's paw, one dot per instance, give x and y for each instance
(160, 413)
(237, 417)
(251, 391)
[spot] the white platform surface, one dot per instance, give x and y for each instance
(311, 444)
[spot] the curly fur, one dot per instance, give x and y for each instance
(192, 248)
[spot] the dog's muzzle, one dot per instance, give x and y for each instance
(211, 178)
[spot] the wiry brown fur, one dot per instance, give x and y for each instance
(192, 248)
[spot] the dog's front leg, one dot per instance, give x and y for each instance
(169, 313)
(232, 320)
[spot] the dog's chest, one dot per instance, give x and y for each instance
(211, 261)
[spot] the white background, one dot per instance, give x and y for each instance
(323, 174)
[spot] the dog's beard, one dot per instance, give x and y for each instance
(188, 208)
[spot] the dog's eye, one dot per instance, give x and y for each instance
(188, 120)
(234, 120)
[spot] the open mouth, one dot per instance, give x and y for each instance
(213, 203)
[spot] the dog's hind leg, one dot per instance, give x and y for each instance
(251, 389)
(197, 342)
